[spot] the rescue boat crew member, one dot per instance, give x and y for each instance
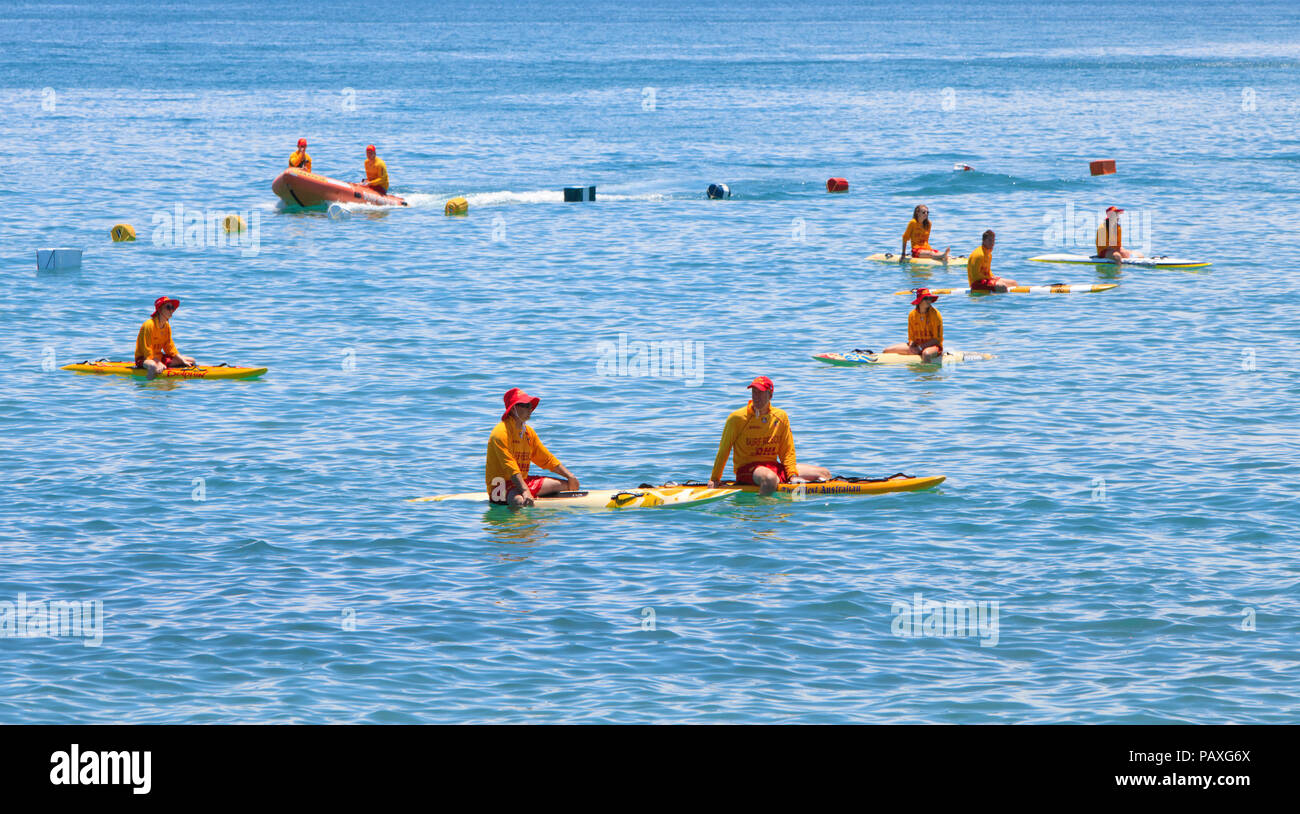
(154, 349)
(299, 158)
(512, 448)
(376, 172)
(1110, 237)
(918, 234)
(979, 268)
(924, 329)
(759, 437)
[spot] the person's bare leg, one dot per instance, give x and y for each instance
(766, 480)
(900, 348)
(812, 472)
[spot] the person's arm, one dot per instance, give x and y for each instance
(543, 458)
(787, 454)
(500, 459)
(938, 318)
(142, 343)
(382, 180)
(907, 234)
(729, 432)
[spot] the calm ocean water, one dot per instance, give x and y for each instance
(1121, 478)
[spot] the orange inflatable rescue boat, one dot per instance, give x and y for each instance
(302, 188)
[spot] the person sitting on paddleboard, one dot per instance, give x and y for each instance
(918, 233)
(299, 158)
(1110, 237)
(376, 172)
(512, 447)
(154, 349)
(979, 268)
(759, 436)
(924, 328)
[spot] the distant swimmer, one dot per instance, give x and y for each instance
(512, 448)
(924, 328)
(154, 349)
(299, 157)
(979, 268)
(376, 172)
(918, 233)
(1110, 238)
(759, 436)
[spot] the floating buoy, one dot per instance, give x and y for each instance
(837, 185)
(234, 223)
(122, 233)
(1104, 167)
(579, 193)
(718, 191)
(338, 211)
(456, 206)
(49, 259)
(962, 167)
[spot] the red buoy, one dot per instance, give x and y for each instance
(837, 185)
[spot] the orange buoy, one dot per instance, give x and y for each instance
(1104, 167)
(837, 185)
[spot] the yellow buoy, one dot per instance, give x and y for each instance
(122, 232)
(457, 206)
(234, 223)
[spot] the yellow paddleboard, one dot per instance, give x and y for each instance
(1058, 288)
(854, 358)
(200, 372)
(639, 498)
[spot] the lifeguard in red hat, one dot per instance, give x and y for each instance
(512, 448)
(1110, 237)
(154, 349)
(758, 439)
(299, 157)
(376, 171)
(924, 329)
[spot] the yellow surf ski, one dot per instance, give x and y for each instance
(222, 371)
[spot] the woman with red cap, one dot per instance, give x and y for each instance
(300, 159)
(1110, 237)
(512, 448)
(154, 349)
(376, 172)
(759, 436)
(924, 329)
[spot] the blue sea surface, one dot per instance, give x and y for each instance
(1121, 479)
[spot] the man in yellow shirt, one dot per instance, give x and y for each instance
(512, 448)
(918, 234)
(300, 159)
(979, 268)
(154, 349)
(376, 172)
(924, 329)
(759, 436)
(1110, 237)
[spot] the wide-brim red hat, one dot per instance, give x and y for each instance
(514, 396)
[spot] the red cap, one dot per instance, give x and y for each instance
(515, 396)
(1110, 209)
(161, 301)
(924, 294)
(762, 383)
(370, 148)
(302, 142)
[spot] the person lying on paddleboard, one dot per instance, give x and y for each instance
(918, 233)
(979, 268)
(154, 349)
(1110, 238)
(759, 436)
(924, 328)
(299, 158)
(376, 172)
(512, 448)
